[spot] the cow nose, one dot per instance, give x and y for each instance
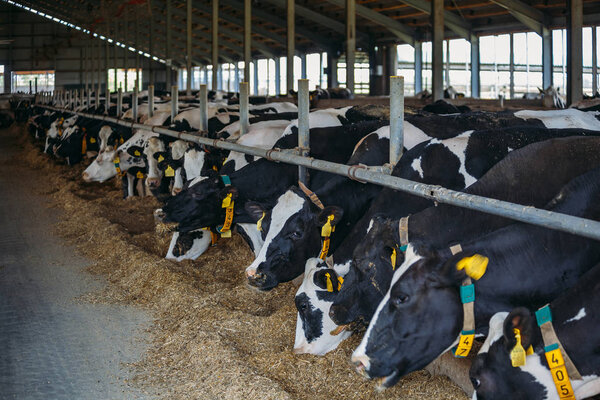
(86, 177)
(300, 350)
(176, 191)
(153, 182)
(250, 272)
(361, 364)
(159, 215)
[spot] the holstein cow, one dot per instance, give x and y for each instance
(421, 315)
(263, 181)
(526, 176)
(521, 361)
(296, 221)
(57, 127)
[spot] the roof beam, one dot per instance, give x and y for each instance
(454, 22)
(531, 17)
(403, 32)
(320, 19)
(275, 20)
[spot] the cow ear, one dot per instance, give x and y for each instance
(229, 189)
(331, 214)
(160, 156)
(135, 151)
(518, 322)
(256, 210)
(328, 280)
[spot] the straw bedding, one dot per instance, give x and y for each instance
(213, 337)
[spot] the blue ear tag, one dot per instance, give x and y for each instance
(467, 293)
(226, 180)
(543, 315)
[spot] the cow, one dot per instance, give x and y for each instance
(525, 176)
(296, 221)
(575, 319)
(421, 315)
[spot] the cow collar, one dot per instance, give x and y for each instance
(227, 204)
(559, 362)
(84, 142)
(117, 162)
(327, 229)
(475, 267)
(403, 231)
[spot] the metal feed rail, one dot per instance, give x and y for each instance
(531, 215)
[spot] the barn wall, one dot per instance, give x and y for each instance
(41, 44)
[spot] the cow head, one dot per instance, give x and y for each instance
(102, 168)
(154, 146)
(419, 318)
(200, 205)
(374, 261)
(294, 235)
(316, 333)
(492, 374)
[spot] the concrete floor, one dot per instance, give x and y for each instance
(53, 346)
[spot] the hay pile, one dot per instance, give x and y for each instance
(213, 337)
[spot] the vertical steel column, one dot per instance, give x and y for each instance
(126, 55)
(188, 84)
(119, 102)
(447, 65)
(215, 44)
(88, 99)
(247, 38)
(115, 55)
(396, 118)
(168, 61)
(236, 86)
(511, 66)
(98, 82)
(350, 43)
(547, 63)
(174, 102)
(303, 66)
(86, 62)
(255, 77)
(244, 105)
(277, 76)
(475, 87)
(82, 97)
(303, 127)
(594, 61)
(437, 22)
(36, 90)
(574, 51)
(418, 67)
(291, 37)
(137, 52)
(151, 49)
(134, 102)
(203, 95)
(150, 101)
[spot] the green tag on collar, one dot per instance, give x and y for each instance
(403, 248)
(467, 293)
(543, 315)
(226, 180)
(550, 347)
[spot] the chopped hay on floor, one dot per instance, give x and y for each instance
(213, 336)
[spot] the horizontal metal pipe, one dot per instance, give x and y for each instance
(531, 215)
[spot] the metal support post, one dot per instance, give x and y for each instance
(574, 51)
(134, 102)
(396, 118)
(594, 61)
(119, 102)
(350, 43)
(188, 84)
(291, 25)
(303, 127)
(437, 22)
(88, 102)
(174, 102)
(244, 89)
(204, 107)
(511, 66)
(547, 66)
(215, 44)
(150, 101)
(97, 93)
(247, 38)
(475, 85)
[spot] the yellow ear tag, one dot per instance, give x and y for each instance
(340, 283)
(327, 228)
(137, 153)
(259, 222)
(329, 284)
(474, 266)
(393, 258)
(215, 168)
(529, 350)
(517, 354)
(169, 172)
(117, 160)
(139, 175)
(121, 141)
(92, 140)
(226, 201)
(160, 158)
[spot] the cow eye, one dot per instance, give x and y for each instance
(400, 299)
(476, 383)
(296, 235)
(303, 307)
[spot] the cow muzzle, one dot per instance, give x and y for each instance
(86, 177)
(361, 364)
(175, 191)
(159, 215)
(153, 183)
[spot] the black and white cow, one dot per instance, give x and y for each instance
(421, 315)
(295, 222)
(525, 176)
(576, 320)
(262, 181)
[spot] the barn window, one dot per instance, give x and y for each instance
(120, 82)
(21, 80)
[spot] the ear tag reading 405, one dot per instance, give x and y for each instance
(558, 370)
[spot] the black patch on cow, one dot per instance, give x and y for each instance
(185, 241)
(441, 107)
(314, 328)
(249, 158)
